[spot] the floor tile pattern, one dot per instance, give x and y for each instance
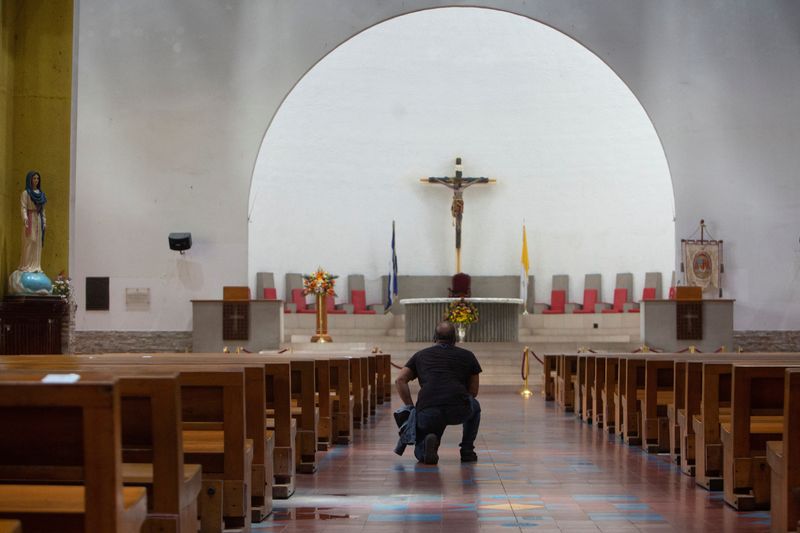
(539, 470)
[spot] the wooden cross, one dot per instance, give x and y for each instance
(457, 184)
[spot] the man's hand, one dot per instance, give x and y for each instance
(474, 383)
(406, 375)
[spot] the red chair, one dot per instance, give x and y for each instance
(359, 300)
(648, 293)
(620, 297)
(462, 286)
(589, 299)
(270, 293)
(558, 300)
(299, 299)
(330, 306)
(672, 293)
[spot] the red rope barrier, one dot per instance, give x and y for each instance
(522, 370)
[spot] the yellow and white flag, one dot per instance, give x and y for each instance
(525, 268)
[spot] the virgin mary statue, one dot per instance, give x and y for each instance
(29, 278)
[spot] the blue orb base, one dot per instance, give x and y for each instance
(29, 283)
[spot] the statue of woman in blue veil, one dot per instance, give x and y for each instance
(29, 278)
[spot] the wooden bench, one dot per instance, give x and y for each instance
(631, 371)
(152, 452)
(549, 374)
(783, 457)
(567, 368)
(10, 526)
(334, 396)
(213, 423)
(716, 395)
(584, 377)
(596, 387)
(65, 433)
(659, 393)
(267, 387)
(756, 417)
(610, 394)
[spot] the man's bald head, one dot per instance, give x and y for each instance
(445, 333)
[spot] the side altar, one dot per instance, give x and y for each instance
(251, 324)
(675, 325)
(498, 322)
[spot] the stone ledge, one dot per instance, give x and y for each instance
(767, 341)
(131, 341)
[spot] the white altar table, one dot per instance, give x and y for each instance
(498, 318)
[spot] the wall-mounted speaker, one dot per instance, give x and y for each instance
(180, 241)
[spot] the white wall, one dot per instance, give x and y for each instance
(170, 110)
(573, 151)
(173, 99)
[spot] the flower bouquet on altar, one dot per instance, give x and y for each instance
(461, 314)
(320, 283)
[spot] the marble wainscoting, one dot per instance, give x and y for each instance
(131, 341)
(767, 341)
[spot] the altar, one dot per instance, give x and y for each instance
(498, 318)
(675, 325)
(251, 324)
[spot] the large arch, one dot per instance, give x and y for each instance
(581, 179)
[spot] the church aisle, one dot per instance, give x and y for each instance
(540, 470)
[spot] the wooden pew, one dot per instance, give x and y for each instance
(333, 383)
(65, 433)
(567, 368)
(610, 394)
(152, 452)
(213, 401)
(10, 526)
(596, 390)
(631, 373)
(673, 409)
(756, 417)
(549, 375)
(267, 389)
(585, 386)
(385, 368)
(659, 393)
(783, 457)
(578, 379)
(715, 403)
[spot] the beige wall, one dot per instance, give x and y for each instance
(35, 105)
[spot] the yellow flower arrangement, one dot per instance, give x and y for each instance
(462, 312)
(320, 282)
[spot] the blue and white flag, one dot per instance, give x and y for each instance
(391, 287)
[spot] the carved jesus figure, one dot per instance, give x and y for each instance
(457, 184)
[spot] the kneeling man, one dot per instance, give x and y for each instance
(448, 377)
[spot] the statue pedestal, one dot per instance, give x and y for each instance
(31, 324)
(34, 283)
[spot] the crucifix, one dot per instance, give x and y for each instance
(457, 184)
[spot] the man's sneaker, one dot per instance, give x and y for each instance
(469, 457)
(431, 456)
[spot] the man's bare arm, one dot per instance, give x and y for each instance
(406, 375)
(474, 383)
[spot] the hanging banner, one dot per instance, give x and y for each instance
(701, 262)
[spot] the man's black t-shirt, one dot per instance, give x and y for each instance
(443, 373)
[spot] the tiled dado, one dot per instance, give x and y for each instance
(539, 470)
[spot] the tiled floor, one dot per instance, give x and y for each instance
(539, 470)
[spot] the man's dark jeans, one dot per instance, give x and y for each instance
(435, 419)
